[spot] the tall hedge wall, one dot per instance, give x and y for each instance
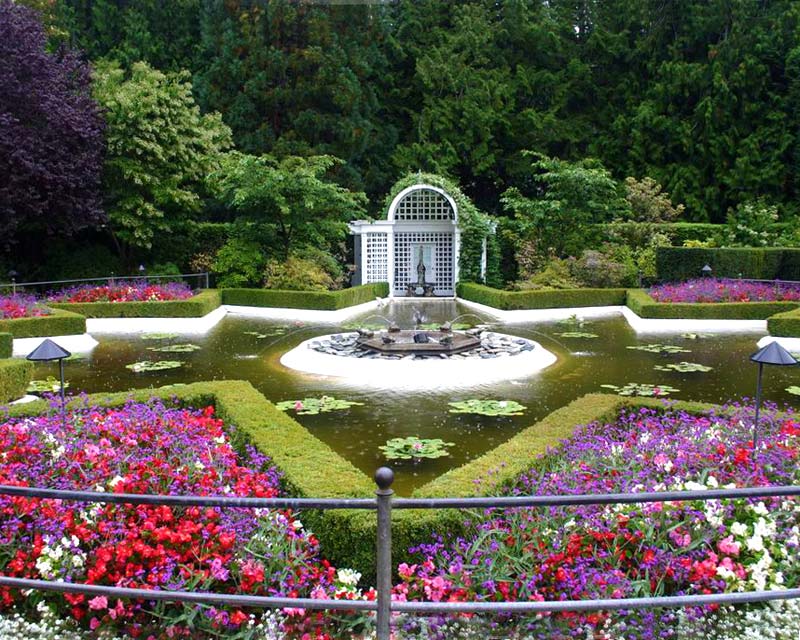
(675, 264)
(319, 300)
(556, 299)
(15, 375)
(58, 323)
(195, 307)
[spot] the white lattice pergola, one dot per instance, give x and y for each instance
(419, 240)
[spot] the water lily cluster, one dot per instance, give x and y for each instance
(725, 290)
(624, 551)
(122, 291)
(151, 448)
(21, 306)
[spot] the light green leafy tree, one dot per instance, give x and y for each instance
(292, 197)
(160, 149)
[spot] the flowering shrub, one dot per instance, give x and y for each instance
(635, 550)
(124, 292)
(20, 306)
(151, 448)
(722, 290)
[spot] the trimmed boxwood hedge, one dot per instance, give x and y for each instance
(640, 302)
(6, 345)
(555, 299)
(15, 376)
(320, 300)
(674, 264)
(786, 324)
(58, 323)
(195, 307)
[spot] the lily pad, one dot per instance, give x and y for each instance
(313, 406)
(659, 348)
(49, 385)
(177, 348)
(794, 390)
(640, 389)
(488, 407)
(414, 447)
(150, 365)
(577, 334)
(159, 336)
(269, 333)
(572, 321)
(683, 367)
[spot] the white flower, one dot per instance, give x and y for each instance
(348, 577)
(756, 543)
(199, 465)
(759, 509)
(691, 485)
(220, 440)
(115, 481)
(739, 529)
(711, 481)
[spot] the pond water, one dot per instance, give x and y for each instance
(250, 349)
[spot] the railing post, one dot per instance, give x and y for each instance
(384, 478)
(207, 282)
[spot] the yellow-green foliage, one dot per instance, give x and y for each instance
(195, 307)
(535, 299)
(640, 302)
(15, 375)
(58, 323)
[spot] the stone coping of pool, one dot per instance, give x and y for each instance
(196, 326)
(659, 325)
(83, 343)
(492, 362)
(790, 344)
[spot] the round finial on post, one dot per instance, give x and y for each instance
(384, 477)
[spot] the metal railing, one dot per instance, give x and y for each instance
(203, 280)
(383, 504)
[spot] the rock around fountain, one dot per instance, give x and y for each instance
(421, 358)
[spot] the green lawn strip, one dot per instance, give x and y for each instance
(197, 306)
(15, 375)
(640, 302)
(58, 323)
(318, 300)
(785, 324)
(555, 299)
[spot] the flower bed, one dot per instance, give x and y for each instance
(712, 290)
(152, 448)
(123, 292)
(629, 550)
(21, 306)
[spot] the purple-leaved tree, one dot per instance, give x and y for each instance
(51, 133)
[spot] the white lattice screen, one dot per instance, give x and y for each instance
(405, 270)
(424, 204)
(377, 248)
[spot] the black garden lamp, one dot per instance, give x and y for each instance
(706, 270)
(48, 351)
(143, 273)
(773, 353)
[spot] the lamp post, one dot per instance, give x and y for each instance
(143, 273)
(773, 353)
(13, 275)
(706, 270)
(48, 351)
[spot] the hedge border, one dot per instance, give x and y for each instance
(786, 324)
(6, 345)
(15, 376)
(316, 300)
(58, 323)
(640, 302)
(551, 299)
(674, 264)
(197, 306)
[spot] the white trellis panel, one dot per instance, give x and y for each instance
(423, 204)
(377, 257)
(405, 270)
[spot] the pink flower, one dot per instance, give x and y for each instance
(298, 406)
(406, 571)
(729, 547)
(98, 603)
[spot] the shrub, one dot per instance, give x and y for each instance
(197, 306)
(321, 300)
(648, 203)
(751, 224)
(599, 270)
(556, 274)
(239, 263)
(6, 345)
(15, 375)
(553, 299)
(57, 323)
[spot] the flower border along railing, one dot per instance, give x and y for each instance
(384, 503)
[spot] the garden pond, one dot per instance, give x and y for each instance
(248, 348)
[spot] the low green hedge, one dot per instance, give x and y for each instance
(555, 299)
(58, 323)
(195, 307)
(640, 302)
(674, 264)
(320, 300)
(785, 324)
(6, 345)
(15, 376)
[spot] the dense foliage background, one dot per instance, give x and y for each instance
(702, 96)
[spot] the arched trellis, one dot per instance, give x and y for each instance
(416, 248)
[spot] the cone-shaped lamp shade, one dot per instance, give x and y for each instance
(773, 353)
(48, 350)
